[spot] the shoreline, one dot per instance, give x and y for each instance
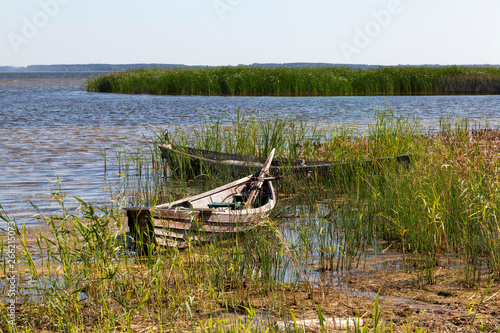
(385, 277)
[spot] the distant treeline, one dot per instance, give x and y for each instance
(124, 67)
(84, 67)
(300, 81)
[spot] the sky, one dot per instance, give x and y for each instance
(233, 32)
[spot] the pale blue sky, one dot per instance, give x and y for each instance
(231, 32)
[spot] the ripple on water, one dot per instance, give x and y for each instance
(32, 159)
(49, 126)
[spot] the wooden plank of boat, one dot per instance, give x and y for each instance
(207, 215)
(194, 161)
(167, 237)
(257, 185)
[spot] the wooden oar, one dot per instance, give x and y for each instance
(257, 184)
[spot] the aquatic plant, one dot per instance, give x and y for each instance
(443, 208)
(306, 81)
(445, 203)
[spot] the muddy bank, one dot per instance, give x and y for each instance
(343, 297)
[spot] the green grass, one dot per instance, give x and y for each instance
(285, 81)
(446, 203)
(444, 207)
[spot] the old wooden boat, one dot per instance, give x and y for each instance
(226, 210)
(197, 161)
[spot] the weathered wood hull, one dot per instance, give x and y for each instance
(197, 161)
(170, 227)
(233, 208)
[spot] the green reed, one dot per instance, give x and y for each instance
(87, 280)
(445, 205)
(286, 81)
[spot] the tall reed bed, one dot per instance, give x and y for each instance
(79, 275)
(445, 204)
(443, 207)
(286, 81)
(250, 133)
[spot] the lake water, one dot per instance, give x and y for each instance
(49, 126)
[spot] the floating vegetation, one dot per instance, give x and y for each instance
(286, 81)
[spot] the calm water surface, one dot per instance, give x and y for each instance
(49, 126)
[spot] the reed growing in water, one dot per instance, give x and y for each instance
(446, 205)
(285, 81)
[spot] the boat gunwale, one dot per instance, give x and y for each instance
(284, 163)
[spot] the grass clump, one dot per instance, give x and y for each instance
(286, 81)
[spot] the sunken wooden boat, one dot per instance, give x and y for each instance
(195, 162)
(233, 208)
